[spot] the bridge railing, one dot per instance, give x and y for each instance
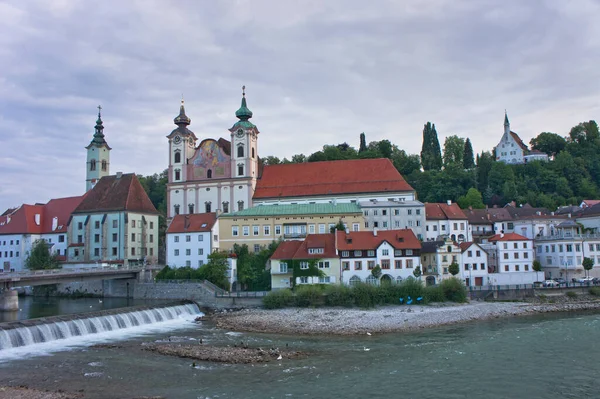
(99, 269)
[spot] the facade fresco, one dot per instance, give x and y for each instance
(209, 157)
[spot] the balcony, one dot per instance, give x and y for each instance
(294, 235)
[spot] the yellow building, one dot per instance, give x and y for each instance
(259, 226)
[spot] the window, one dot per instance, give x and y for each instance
(278, 230)
(61, 238)
(240, 205)
(200, 251)
(79, 225)
(235, 231)
(370, 253)
(200, 237)
(97, 224)
(324, 264)
(176, 207)
(132, 237)
(409, 211)
(256, 248)
(267, 230)
(240, 170)
(177, 174)
(240, 151)
(505, 268)
(321, 229)
(408, 252)
(104, 165)
(385, 252)
(357, 265)
(151, 238)
(176, 239)
(209, 174)
(357, 253)
(525, 255)
(115, 224)
(384, 224)
(114, 251)
(190, 208)
(366, 225)
(345, 254)
(207, 207)
(355, 227)
(255, 230)
(526, 268)
(370, 264)
(375, 224)
(516, 268)
(505, 246)
(176, 252)
(469, 253)
(375, 212)
(177, 157)
(398, 264)
(397, 252)
(569, 247)
(418, 211)
(505, 256)
(96, 237)
(467, 266)
(482, 266)
(345, 265)
(313, 251)
(133, 251)
(80, 239)
(96, 251)
(324, 280)
(516, 245)
(455, 226)
(252, 152)
(225, 207)
(516, 256)
(443, 227)
(409, 263)
(283, 267)
(246, 230)
(304, 280)
(93, 164)
(384, 212)
(477, 253)
(396, 212)
(385, 263)
(397, 223)
(188, 263)
(366, 213)
(444, 258)
(303, 265)
(200, 263)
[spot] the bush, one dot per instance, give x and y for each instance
(410, 287)
(571, 294)
(434, 293)
(454, 290)
(365, 295)
(595, 291)
(278, 299)
(308, 295)
(339, 295)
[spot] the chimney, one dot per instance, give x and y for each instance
(37, 219)
(375, 232)
(119, 174)
(449, 202)
(501, 235)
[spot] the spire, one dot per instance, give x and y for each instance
(243, 113)
(506, 123)
(182, 119)
(99, 130)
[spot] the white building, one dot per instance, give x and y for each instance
(396, 252)
(436, 258)
(474, 264)
(394, 215)
(446, 219)
(98, 156)
(512, 150)
(191, 238)
(513, 257)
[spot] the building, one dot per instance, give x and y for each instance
(512, 258)
(394, 214)
(295, 262)
(98, 156)
(446, 220)
(347, 181)
(561, 254)
(512, 150)
(484, 223)
(474, 265)
(436, 258)
(258, 226)
(396, 252)
(115, 223)
(21, 227)
(191, 238)
(215, 175)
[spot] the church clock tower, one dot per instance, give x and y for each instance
(244, 144)
(98, 156)
(182, 144)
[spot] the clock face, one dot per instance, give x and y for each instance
(177, 139)
(240, 133)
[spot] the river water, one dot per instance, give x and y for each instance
(546, 356)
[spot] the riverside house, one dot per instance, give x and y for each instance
(511, 257)
(191, 238)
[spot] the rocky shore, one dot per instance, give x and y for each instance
(341, 321)
(30, 393)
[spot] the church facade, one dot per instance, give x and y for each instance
(213, 175)
(512, 150)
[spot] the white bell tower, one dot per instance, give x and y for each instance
(98, 156)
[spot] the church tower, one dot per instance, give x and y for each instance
(98, 156)
(182, 144)
(506, 124)
(244, 144)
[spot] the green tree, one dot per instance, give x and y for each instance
(454, 148)
(588, 264)
(385, 148)
(299, 158)
(431, 156)
(472, 199)
(484, 166)
(215, 270)
(417, 272)
(585, 133)
(537, 266)
(376, 272)
(453, 268)
(550, 143)
(40, 258)
(468, 162)
(363, 143)
(271, 160)
(339, 226)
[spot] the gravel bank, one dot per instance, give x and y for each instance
(29, 393)
(342, 321)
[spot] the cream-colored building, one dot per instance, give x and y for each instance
(259, 226)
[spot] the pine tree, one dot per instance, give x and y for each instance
(363, 143)
(436, 152)
(468, 155)
(40, 257)
(431, 155)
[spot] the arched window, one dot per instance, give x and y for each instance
(252, 152)
(225, 207)
(372, 280)
(240, 151)
(177, 174)
(240, 169)
(191, 208)
(93, 164)
(177, 157)
(453, 237)
(104, 165)
(354, 280)
(209, 174)
(240, 205)
(207, 206)
(461, 238)
(176, 209)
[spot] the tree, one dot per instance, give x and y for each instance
(363, 143)
(376, 272)
(550, 143)
(537, 266)
(215, 270)
(472, 199)
(40, 257)
(385, 148)
(431, 157)
(299, 158)
(417, 272)
(339, 226)
(271, 160)
(454, 148)
(585, 133)
(484, 166)
(468, 162)
(453, 268)
(588, 264)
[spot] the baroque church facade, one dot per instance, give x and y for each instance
(212, 175)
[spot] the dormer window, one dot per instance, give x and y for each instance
(92, 165)
(315, 250)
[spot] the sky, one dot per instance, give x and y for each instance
(316, 72)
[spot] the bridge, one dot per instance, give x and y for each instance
(9, 299)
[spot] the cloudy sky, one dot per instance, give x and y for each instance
(316, 72)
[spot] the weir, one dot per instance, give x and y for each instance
(34, 331)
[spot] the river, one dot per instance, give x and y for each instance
(544, 356)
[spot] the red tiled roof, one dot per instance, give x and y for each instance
(286, 249)
(519, 141)
(197, 223)
(365, 240)
(22, 220)
(464, 246)
(330, 178)
(443, 211)
(113, 193)
(508, 237)
(325, 241)
(591, 202)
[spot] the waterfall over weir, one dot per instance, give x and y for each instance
(30, 332)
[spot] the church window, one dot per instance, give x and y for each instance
(207, 206)
(209, 174)
(225, 207)
(176, 209)
(240, 170)
(240, 205)
(93, 164)
(177, 157)
(177, 174)
(252, 152)
(240, 151)
(191, 208)
(104, 165)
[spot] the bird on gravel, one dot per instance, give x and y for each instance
(280, 357)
